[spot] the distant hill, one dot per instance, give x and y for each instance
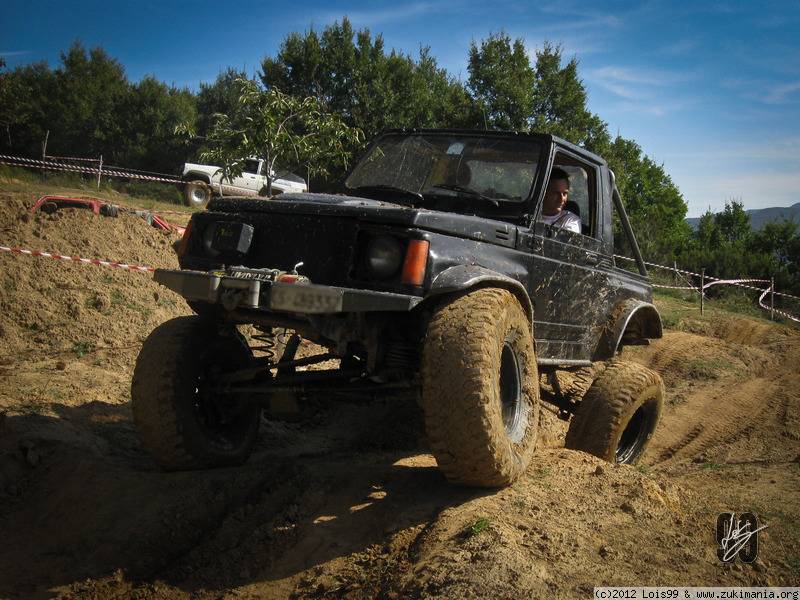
(760, 216)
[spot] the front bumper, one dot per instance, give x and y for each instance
(217, 287)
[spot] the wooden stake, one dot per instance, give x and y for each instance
(702, 287)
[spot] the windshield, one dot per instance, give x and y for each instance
(495, 169)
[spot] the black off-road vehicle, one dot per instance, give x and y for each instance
(431, 273)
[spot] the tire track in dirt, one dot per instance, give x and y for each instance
(730, 397)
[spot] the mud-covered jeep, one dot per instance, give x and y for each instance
(431, 273)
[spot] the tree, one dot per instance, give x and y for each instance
(501, 82)
(708, 233)
(87, 113)
(152, 111)
(351, 74)
(25, 107)
(733, 222)
(653, 202)
(277, 126)
(218, 97)
(560, 102)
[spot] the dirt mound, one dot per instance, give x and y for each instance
(348, 502)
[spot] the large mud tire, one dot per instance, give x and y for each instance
(581, 380)
(618, 414)
(196, 194)
(480, 391)
(179, 421)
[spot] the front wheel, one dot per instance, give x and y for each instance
(480, 391)
(618, 414)
(196, 194)
(180, 418)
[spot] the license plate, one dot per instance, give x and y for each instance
(306, 299)
(254, 274)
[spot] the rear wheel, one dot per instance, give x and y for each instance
(196, 193)
(181, 421)
(480, 389)
(618, 414)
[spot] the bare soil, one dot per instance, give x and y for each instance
(348, 502)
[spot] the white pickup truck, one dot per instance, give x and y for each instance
(201, 182)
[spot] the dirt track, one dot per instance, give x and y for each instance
(348, 503)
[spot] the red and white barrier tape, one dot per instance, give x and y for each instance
(771, 309)
(19, 161)
(707, 277)
(78, 259)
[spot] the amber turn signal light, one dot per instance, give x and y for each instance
(415, 262)
(184, 245)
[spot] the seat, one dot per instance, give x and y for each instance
(573, 207)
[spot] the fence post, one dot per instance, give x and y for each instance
(772, 298)
(100, 172)
(44, 145)
(675, 272)
(702, 286)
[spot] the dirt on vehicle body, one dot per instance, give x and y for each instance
(432, 273)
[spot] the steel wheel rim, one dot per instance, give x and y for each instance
(198, 195)
(635, 434)
(511, 404)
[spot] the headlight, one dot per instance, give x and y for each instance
(208, 240)
(384, 256)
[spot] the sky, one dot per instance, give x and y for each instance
(709, 89)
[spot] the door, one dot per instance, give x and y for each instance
(248, 182)
(569, 282)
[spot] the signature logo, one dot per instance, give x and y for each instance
(737, 537)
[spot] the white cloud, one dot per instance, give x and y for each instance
(680, 47)
(650, 77)
(765, 91)
(11, 53)
(640, 91)
(780, 93)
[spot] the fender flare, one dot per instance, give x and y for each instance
(196, 176)
(461, 278)
(642, 317)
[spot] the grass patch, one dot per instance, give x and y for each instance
(794, 564)
(477, 527)
(711, 466)
(82, 348)
(117, 297)
(707, 367)
(141, 195)
(165, 302)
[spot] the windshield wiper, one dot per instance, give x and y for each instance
(468, 192)
(389, 188)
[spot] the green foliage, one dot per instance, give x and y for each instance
(654, 204)
(726, 246)
(352, 75)
(476, 527)
(82, 348)
(501, 81)
(277, 126)
(154, 110)
(559, 102)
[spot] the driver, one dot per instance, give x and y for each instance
(553, 211)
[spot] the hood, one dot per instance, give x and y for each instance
(375, 211)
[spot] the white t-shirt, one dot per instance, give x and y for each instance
(565, 219)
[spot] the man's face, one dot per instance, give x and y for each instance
(555, 196)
